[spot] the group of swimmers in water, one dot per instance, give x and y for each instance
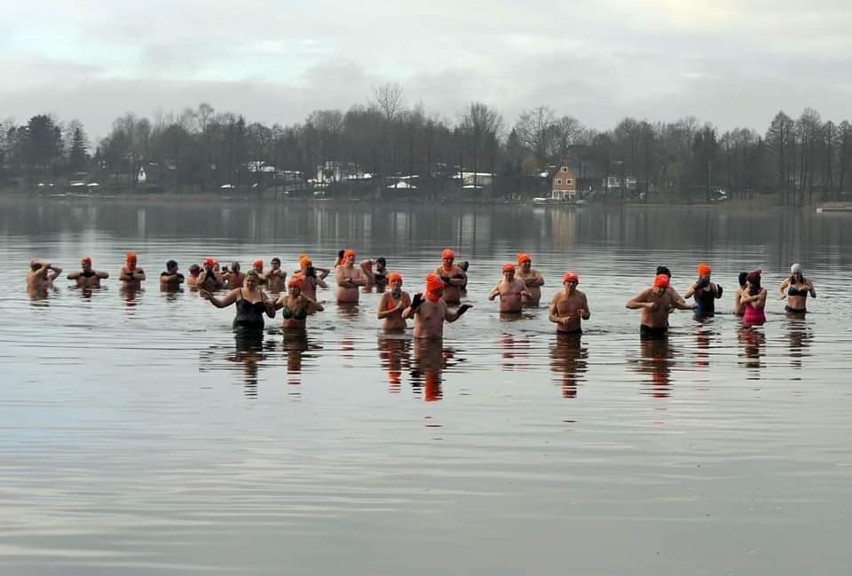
(439, 301)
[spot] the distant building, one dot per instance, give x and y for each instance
(474, 179)
(564, 186)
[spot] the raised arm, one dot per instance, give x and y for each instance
(223, 302)
(411, 309)
(689, 291)
(495, 291)
(452, 316)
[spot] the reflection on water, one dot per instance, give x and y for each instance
(569, 362)
(656, 358)
(799, 337)
(395, 358)
(167, 445)
(753, 342)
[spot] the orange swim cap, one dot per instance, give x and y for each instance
(295, 280)
(394, 276)
(434, 283)
(86, 260)
(130, 257)
(257, 264)
(348, 253)
(522, 257)
(209, 262)
(661, 281)
(507, 267)
(304, 261)
(570, 277)
(448, 254)
(703, 269)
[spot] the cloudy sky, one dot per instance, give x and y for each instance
(729, 62)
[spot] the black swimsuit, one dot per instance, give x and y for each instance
(793, 291)
(249, 314)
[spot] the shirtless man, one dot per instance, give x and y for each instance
(41, 274)
(429, 313)
(510, 290)
(391, 305)
(532, 278)
(210, 277)
(233, 278)
(88, 277)
(130, 274)
(672, 292)
(349, 279)
(656, 303)
(194, 273)
(569, 307)
(171, 279)
(276, 277)
(453, 276)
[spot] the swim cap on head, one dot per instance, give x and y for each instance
(86, 260)
(661, 281)
(348, 253)
(570, 277)
(434, 283)
(754, 276)
(381, 260)
(209, 262)
(304, 261)
(796, 269)
(703, 269)
(257, 264)
(130, 257)
(393, 277)
(522, 257)
(664, 270)
(507, 267)
(295, 280)
(448, 254)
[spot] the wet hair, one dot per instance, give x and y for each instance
(235, 266)
(742, 279)
(664, 270)
(275, 260)
(252, 274)
(381, 259)
(171, 264)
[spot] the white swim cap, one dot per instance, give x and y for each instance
(796, 269)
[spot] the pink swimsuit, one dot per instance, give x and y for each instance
(754, 316)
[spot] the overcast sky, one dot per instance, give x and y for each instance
(730, 62)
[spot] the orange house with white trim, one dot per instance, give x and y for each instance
(564, 185)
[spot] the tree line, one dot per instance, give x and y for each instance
(801, 160)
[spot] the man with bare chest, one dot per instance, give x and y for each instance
(349, 279)
(531, 277)
(453, 276)
(510, 290)
(569, 307)
(656, 303)
(430, 311)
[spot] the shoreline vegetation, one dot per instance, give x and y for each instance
(384, 150)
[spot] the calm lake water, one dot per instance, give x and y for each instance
(136, 439)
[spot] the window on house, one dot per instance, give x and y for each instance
(569, 181)
(559, 181)
(564, 169)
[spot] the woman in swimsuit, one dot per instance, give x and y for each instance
(295, 306)
(754, 300)
(251, 303)
(796, 289)
(392, 303)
